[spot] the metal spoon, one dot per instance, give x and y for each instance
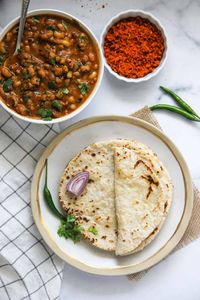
(25, 5)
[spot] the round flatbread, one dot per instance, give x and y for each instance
(126, 199)
(95, 207)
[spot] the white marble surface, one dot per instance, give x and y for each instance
(178, 276)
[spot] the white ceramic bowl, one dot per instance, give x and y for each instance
(90, 33)
(152, 19)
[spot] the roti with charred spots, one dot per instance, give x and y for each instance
(127, 198)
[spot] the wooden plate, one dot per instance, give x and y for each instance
(70, 142)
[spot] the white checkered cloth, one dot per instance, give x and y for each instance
(28, 268)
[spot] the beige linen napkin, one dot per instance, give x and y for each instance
(193, 230)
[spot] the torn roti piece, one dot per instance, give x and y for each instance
(94, 209)
(140, 200)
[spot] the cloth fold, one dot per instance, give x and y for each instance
(193, 230)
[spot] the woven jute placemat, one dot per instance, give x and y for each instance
(193, 230)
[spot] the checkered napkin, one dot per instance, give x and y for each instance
(28, 268)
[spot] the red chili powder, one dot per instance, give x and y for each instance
(133, 47)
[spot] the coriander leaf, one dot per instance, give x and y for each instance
(2, 58)
(84, 88)
(52, 85)
(26, 76)
(25, 99)
(93, 230)
(65, 91)
(36, 19)
(64, 24)
(53, 61)
(57, 105)
(51, 27)
(83, 37)
(69, 229)
(45, 113)
(71, 218)
(7, 86)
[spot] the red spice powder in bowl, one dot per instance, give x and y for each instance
(134, 45)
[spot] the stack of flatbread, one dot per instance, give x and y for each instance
(127, 197)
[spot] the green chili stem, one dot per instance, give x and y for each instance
(180, 101)
(177, 110)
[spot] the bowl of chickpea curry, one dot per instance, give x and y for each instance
(57, 71)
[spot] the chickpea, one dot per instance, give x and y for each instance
(59, 35)
(42, 73)
(71, 99)
(65, 68)
(31, 71)
(72, 106)
(76, 74)
(93, 75)
(61, 47)
(66, 43)
(69, 74)
(2, 47)
(61, 27)
(34, 46)
(52, 54)
(9, 36)
(35, 80)
(62, 61)
(21, 109)
(16, 83)
(85, 58)
(96, 66)
(27, 48)
(47, 35)
(85, 68)
(58, 80)
(91, 56)
(58, 71)
(5, 72)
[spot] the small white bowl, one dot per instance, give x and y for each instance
(152, 19)
(101, 66)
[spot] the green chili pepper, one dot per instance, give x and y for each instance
(177, 110)
(48, 197)
(180, 101)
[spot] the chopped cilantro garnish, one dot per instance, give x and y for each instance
(69, 229)
(51, 27)
(52, 85)
(7, 86)
(26, 76)
(44, 113)
(2, 58)
(65, 91)
(25, 99)
(64, 24)
(84, 88)
(36, 19)
(93, 230)
(83, 37)
(57, 105)
(53, 61)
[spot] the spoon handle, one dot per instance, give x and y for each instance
(25, 5)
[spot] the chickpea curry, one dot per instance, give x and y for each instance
(54, 72)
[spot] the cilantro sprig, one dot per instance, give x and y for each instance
(68, 227)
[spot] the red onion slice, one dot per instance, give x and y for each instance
(77, 184)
